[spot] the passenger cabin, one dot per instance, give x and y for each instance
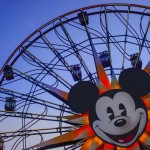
(134, 63)
(10, 104)
(105, 59)
(76, 72)
(83, 18)
(8, 73)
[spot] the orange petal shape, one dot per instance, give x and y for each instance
(149, 115)
(114, 82)
(121, 148)
(58, 92)
(147, 102)
(87, 144)
(100, 148)
(145, 138)
(100, 70)
(87, 133)
(108, 146)
(97, 142)
(148, 127)
(135, 146)
(146, 96)
(83, 132)
(81, 120)
(70, 117)
(102, 88)
(147, 68)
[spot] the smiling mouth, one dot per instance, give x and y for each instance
(124, 138)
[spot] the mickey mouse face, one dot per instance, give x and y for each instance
(120, 118)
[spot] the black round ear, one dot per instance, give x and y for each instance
(135, 81)
(82, 95)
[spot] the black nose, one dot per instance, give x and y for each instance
(120, 122)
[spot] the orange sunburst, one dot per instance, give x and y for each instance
(85, 131)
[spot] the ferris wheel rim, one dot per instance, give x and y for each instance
(34, 33)
(64, 15)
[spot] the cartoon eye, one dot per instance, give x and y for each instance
(122, 107)
(110, 111)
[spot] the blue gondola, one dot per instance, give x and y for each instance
(76, 72)
(133, 59)
(105, 59)
(83, 18)
(8, 73)
(10, 104)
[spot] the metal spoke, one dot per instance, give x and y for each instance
(36, 79)
(126, 33)
(143, 41)
(46, 68)
(77, 52)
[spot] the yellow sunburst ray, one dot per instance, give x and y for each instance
(121, 148)
(81, 120)
(145, 138)
(100, 148)
(148, 127)
(100, 70)
(149, 115)
(57, 91)
(108, 147)
(135, 146)
(114, 82)
(102, 88)
(147, 67)
(61, 93)
(83, 132)
(71, 117)
(96, 143)
(146, 96)
(87, 144)
(146, 101)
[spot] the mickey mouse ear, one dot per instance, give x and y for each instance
(82, 95)
(135, 81)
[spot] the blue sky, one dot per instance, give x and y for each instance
(19, 18)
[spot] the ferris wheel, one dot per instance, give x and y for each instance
(47, 81)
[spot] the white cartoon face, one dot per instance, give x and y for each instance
(120, 120)
(117, 116)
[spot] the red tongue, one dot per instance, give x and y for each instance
(126, 139)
